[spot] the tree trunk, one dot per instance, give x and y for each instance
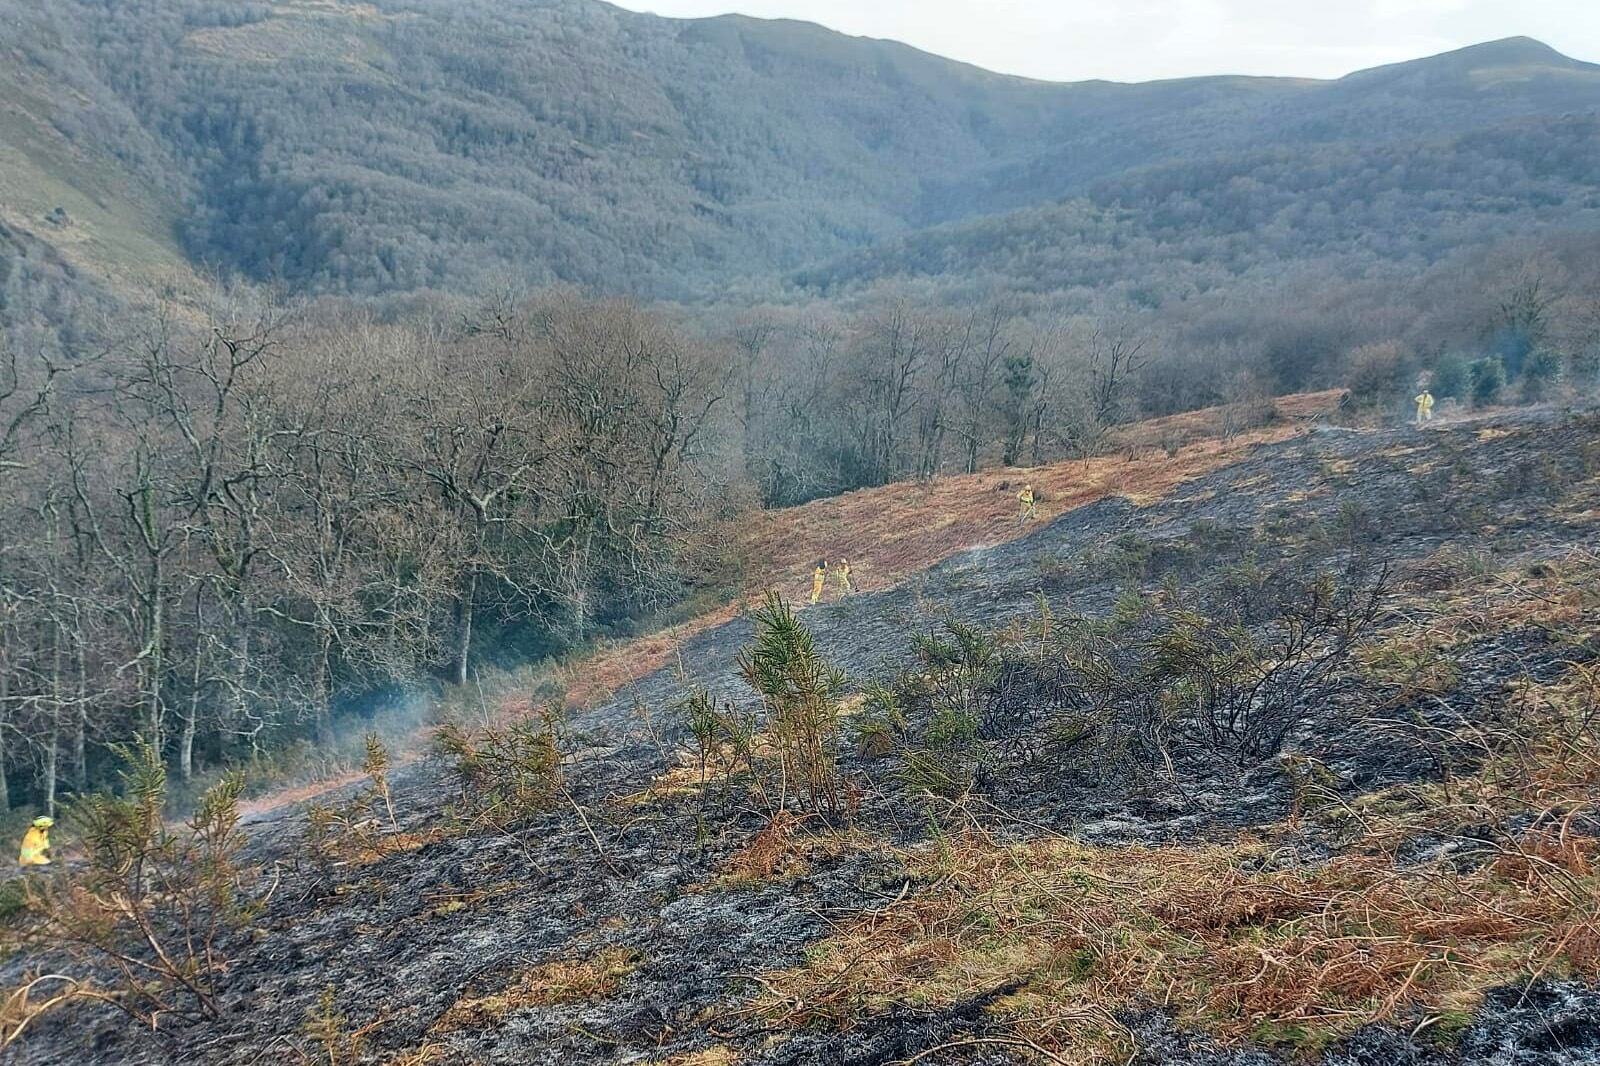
(469, 596)
(154, 661)
(51, 762)
(80, 744)
(192, 718)
(186, 738)
(322, 683)
(186, 748)
(53, 745)
(5, 702)
(240, 666)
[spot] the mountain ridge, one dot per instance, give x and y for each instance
(414, 144)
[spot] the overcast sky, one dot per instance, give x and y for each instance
(1136, 40)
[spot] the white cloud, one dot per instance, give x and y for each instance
(1135, 40)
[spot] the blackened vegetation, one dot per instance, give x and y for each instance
(1043, 683)
(1170, 676)
(1238, 600)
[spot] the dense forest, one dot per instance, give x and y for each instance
(209, 527)
(295, 409)
(365, 148)
(1181, 228)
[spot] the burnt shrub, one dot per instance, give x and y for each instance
(1173, 679)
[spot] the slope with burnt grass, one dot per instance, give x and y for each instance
(1052, 845)
(895, 532)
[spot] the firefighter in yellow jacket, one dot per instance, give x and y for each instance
(819, 578)
(1424, 407)
(842, 572)
(36, 843)
(1030, 508)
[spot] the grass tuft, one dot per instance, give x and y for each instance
(553, 984)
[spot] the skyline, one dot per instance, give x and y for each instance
(1143, 40)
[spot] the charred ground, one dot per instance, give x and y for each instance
(654, 912)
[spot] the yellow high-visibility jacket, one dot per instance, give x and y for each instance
(35, 847)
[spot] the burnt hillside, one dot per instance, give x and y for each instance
(650, 908)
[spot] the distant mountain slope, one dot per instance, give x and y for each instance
(397, 144)
(369, 147)
(73, 191)
(1441, 97)
(1177, 228)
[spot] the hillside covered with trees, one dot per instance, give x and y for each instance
(365, 148)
